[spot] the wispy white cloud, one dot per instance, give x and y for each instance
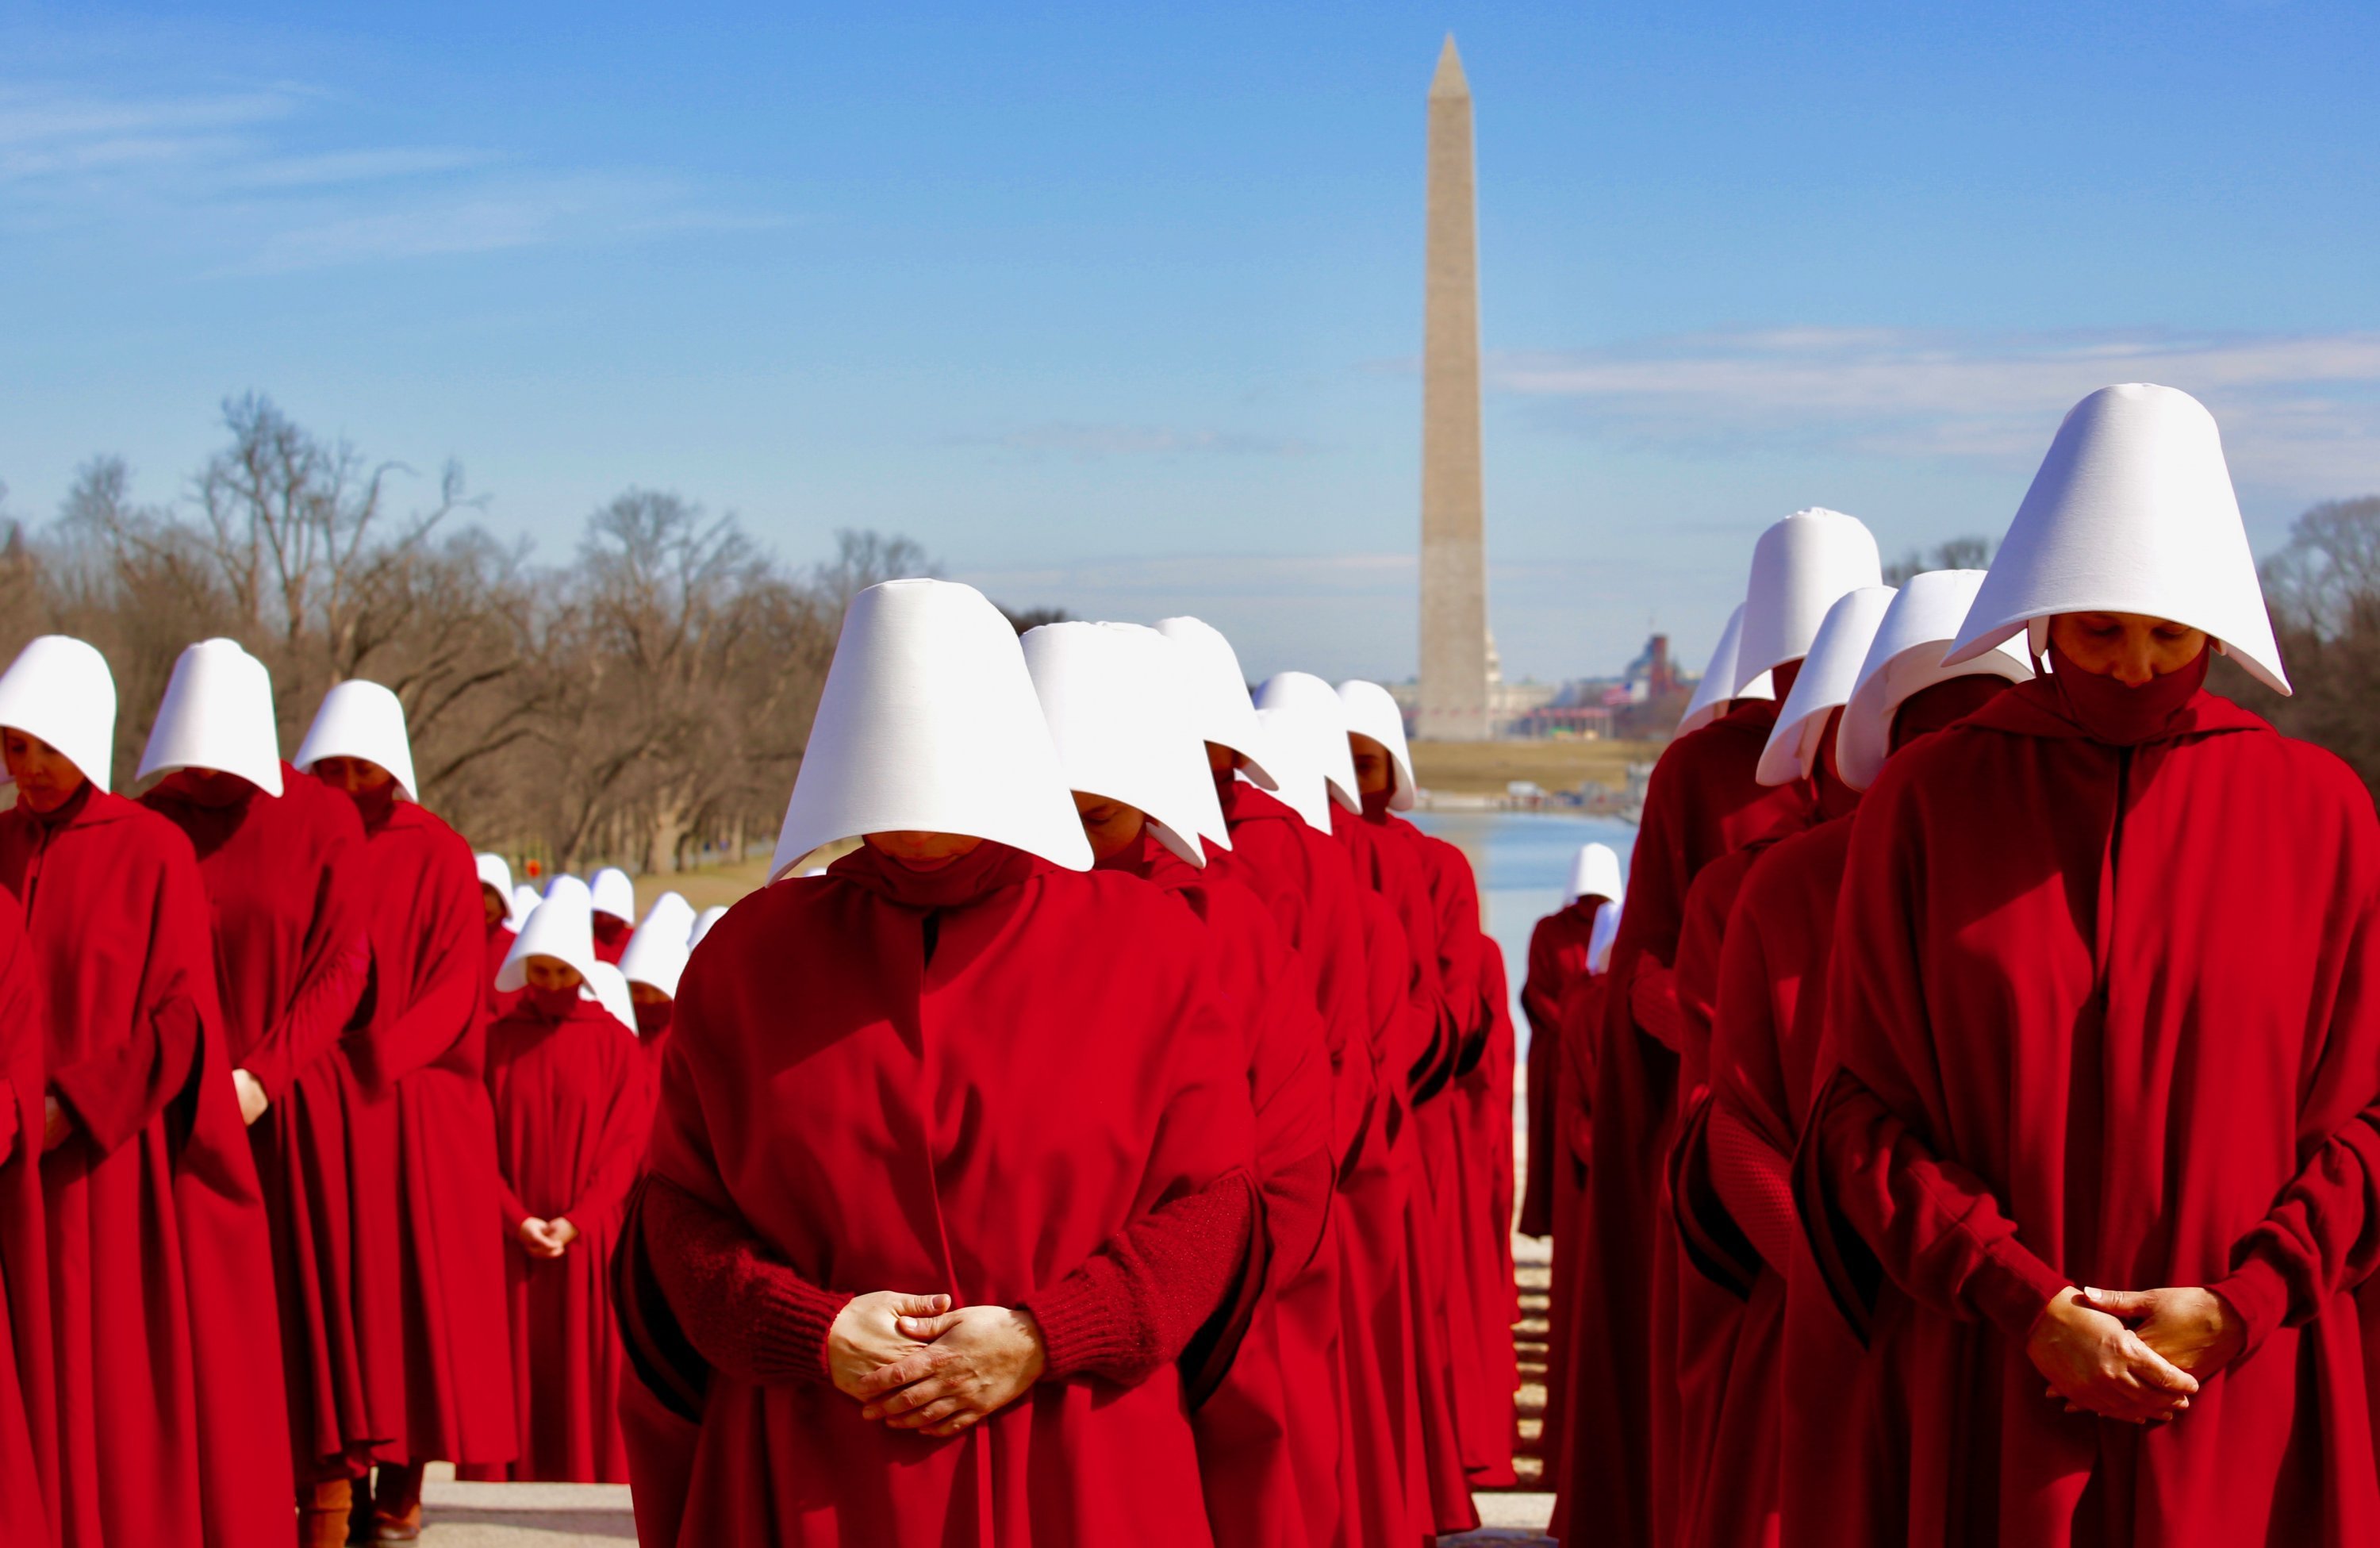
(1091, 443)
(2301, 412)
(255, 180)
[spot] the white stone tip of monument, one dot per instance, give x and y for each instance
(1449, 81)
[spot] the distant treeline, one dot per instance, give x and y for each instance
(646, 703)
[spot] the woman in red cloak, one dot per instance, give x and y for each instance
(953, 1157)
(169, 1423)
(282, 862)
(1473, 1129)
(1557, 949)
(653, 963)
(427, 1139)
(1762, 1459)
(1300, 710)
(614, 898)
(1701, 802)
(2106, 1056)
(28, 1401)
(496, 899)
(1268, 1436)
(1286, 856)
(573, 1109)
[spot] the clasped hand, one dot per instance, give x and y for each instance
(916, 1364)
(2133, 1355)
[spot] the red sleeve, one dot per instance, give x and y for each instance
(7, 1119)
(510, 1210)
(1653, 1004)
(745, 1311)
(447, 1001)
(626, 1129)
(1138, 1301)
(1933, 1225)
(2320, 1237)
(1754, 1181)
(324, 1004)
(113, 1095)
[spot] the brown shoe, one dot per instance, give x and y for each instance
(396, 1504)
(322, 1512)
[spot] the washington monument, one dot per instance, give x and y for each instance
(1455, 688)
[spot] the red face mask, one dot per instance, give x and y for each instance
(553, 1004)
(653, 1018)
(2123, 716)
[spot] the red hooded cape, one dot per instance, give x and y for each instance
(428, 1142)
(1424, 1047)
(1701, 802)
(169, 1386)
(1303, 877)
(28, 1399)
(979, 1121)
(573, 1111)
(284, 876)
(1557, 957)
(2105, 1015)
(1477, 1200)
(1268, 1436)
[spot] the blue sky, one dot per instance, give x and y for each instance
(1117, 308)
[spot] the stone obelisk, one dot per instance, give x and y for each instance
(1455, 698)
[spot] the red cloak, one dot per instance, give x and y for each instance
(1268, 1436)
(285, 877)
(2105, 1015)
(1303, 877)
(977, 1120)
(169, 1409)
(1578, 1025)
(1701, 802)
(428, 1142)
(28, 1399)
(1480, 1096)
(573, 1112)
(1425, 1047)
(1557, 949)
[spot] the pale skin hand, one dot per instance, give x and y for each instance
(978, 1359)
(868, 1336)
(252, 1100)
(2096, 1364)
(2195, 1328)
(540, 1239)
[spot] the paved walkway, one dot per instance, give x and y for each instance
(555, 1515)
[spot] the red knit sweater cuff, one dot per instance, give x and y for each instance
(1091, 1324)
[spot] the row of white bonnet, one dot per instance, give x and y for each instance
(217, 715)
(563, 927)
(936, 717)
(2133, 510)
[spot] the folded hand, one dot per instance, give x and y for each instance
(866, 1335)
(977, 1360)
(2098, 1365)
(2195, 1328)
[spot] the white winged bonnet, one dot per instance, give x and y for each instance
(703, 922)
(1372, 712)
(1302, 788)
(2132, 511)
(217, 715)
(525, 899)
(1799, 567)
(496, 876)
(929, 723)
(1605, 932)
(614, 895)
(1220, 708)
(361, 719)
(1828, 673)
(1718, 684)
(1103, 690)
(1305, 710)
(656, 953)
(608, 987)
(560, 928)
(1594, 872)
(59, 690)
(1905, 658)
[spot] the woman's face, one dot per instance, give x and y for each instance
(1376, 771)
(921, 851)
(646, 995)
(550, 974)
(1112, 826)
(46, 778)
(356, 776)
(2130, 647)
(1221, 760)
(494, 905)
